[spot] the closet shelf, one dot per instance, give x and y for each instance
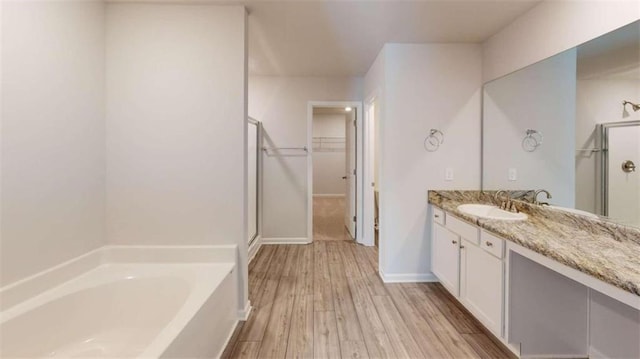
(329, 144)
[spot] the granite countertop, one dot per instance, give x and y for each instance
(600, 248)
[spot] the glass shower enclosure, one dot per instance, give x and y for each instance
(620, 177)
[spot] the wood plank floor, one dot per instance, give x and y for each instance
(326, 300)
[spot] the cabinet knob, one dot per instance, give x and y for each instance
(489, 244)
(437, 215)
(461, 247)
(454, 242)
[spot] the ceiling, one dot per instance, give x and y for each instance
(342, 38)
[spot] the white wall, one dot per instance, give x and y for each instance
(423, 86)
(550, 28)
(598, 101)
(329, 161)
(176, 130)
(281, 104)
(541, 97)
(52, 134)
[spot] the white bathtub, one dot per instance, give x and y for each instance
(119, 310)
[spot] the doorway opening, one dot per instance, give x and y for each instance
(335, 199)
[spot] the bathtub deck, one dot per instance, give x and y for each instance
(325, 300)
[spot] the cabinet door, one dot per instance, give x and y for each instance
(446, 258)
(481, 283)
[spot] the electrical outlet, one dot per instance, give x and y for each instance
(513, 174)
(448, 174)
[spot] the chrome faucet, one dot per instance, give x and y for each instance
(525, 195)
(497, 195)
(535, 197)
(505, 203)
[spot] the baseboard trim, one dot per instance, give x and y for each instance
(243, 314)
(552, 356)
(337, 195)
(594, 354)
(286, 240)
(254, 248)
(408, 277)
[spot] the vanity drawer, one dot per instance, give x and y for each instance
(463, 229)
(438, 216)
(492, 244)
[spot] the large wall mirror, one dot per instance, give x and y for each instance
(570, 124)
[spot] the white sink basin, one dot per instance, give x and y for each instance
(575, 211)
(490, 212)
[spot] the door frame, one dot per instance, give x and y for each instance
(359, 161)
(368, 175)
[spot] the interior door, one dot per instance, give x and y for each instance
(368, 208)
(350, 169)
(624, 184)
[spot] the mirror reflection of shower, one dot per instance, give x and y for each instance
(620, 181)
(634, 106)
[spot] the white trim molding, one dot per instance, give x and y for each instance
(254, 248)
(243, 314)
(408, 277)
(286, 240)
(594, 354)
(551, 356)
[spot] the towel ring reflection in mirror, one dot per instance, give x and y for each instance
(434, 140)
(532, 140)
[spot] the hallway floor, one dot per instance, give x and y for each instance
(328, 219)
(326, 300)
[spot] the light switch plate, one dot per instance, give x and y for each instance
(513, 174)
(448, 174)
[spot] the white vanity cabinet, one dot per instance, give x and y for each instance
(536, 306)
(469, 264)
(481, 285)
(446, 258)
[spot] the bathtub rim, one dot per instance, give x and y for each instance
(41, 283)
(203, 281)
(21, 290)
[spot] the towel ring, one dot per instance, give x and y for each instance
(532, 140)
(434, 140)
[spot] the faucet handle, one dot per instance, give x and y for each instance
(513, 208)
(498, 193)
(537, 192)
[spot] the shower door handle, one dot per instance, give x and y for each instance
(628, 166)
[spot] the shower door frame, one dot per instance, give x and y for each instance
(258, 124)
(604, 159)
